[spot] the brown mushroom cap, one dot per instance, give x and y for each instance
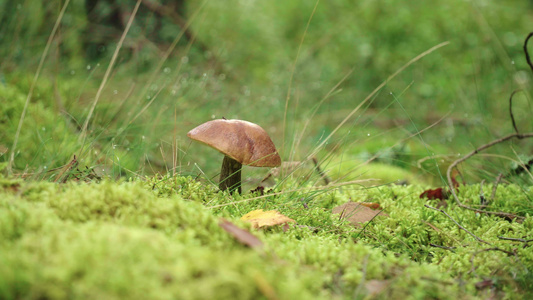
(243, 141)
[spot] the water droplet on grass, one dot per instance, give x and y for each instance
(166, 70)
(88, 67)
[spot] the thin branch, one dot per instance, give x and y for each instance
(466, 230)
(509, 253)
(320, 171)
(68, 167)
(482, 199)
(495, 187)
(442, 247)
(474, 152)
(517, 240)
(511, 109)
(528, 59)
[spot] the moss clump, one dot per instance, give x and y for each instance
(130, 240)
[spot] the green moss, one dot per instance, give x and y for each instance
(139, 240)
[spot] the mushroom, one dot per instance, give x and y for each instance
(242, 143)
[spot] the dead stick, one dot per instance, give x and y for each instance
(495, 187)
(466, 230)
(476, 151)
(320, 172)
(528, 59)
(473, 268)
(442, 247)
(482, 199)
(515, 239)
(71, 165)
(511, 109)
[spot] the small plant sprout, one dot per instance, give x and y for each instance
(242, 143)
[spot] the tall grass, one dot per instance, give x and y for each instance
(258, 66)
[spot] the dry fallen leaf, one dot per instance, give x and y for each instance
(438, 193)
(260, 218)
(241, 235)
(357, 213)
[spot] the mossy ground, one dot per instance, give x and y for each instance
(160, 239)
(300, 69)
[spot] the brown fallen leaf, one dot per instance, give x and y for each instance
(438, 193)
(241, 235)
(260, 218)
(357, 213)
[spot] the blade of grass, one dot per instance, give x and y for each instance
(333, 186)
(83, 133)
(287, 99)
(170, 49)
(33, 83)
(412, 61)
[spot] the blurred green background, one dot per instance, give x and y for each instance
(297, 68)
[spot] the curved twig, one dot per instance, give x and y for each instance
(528, 59)
(462, 159)
(511, 109)
(456, 223)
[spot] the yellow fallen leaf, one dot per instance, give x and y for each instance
(260, 218)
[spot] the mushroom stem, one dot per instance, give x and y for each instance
(230, 175)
